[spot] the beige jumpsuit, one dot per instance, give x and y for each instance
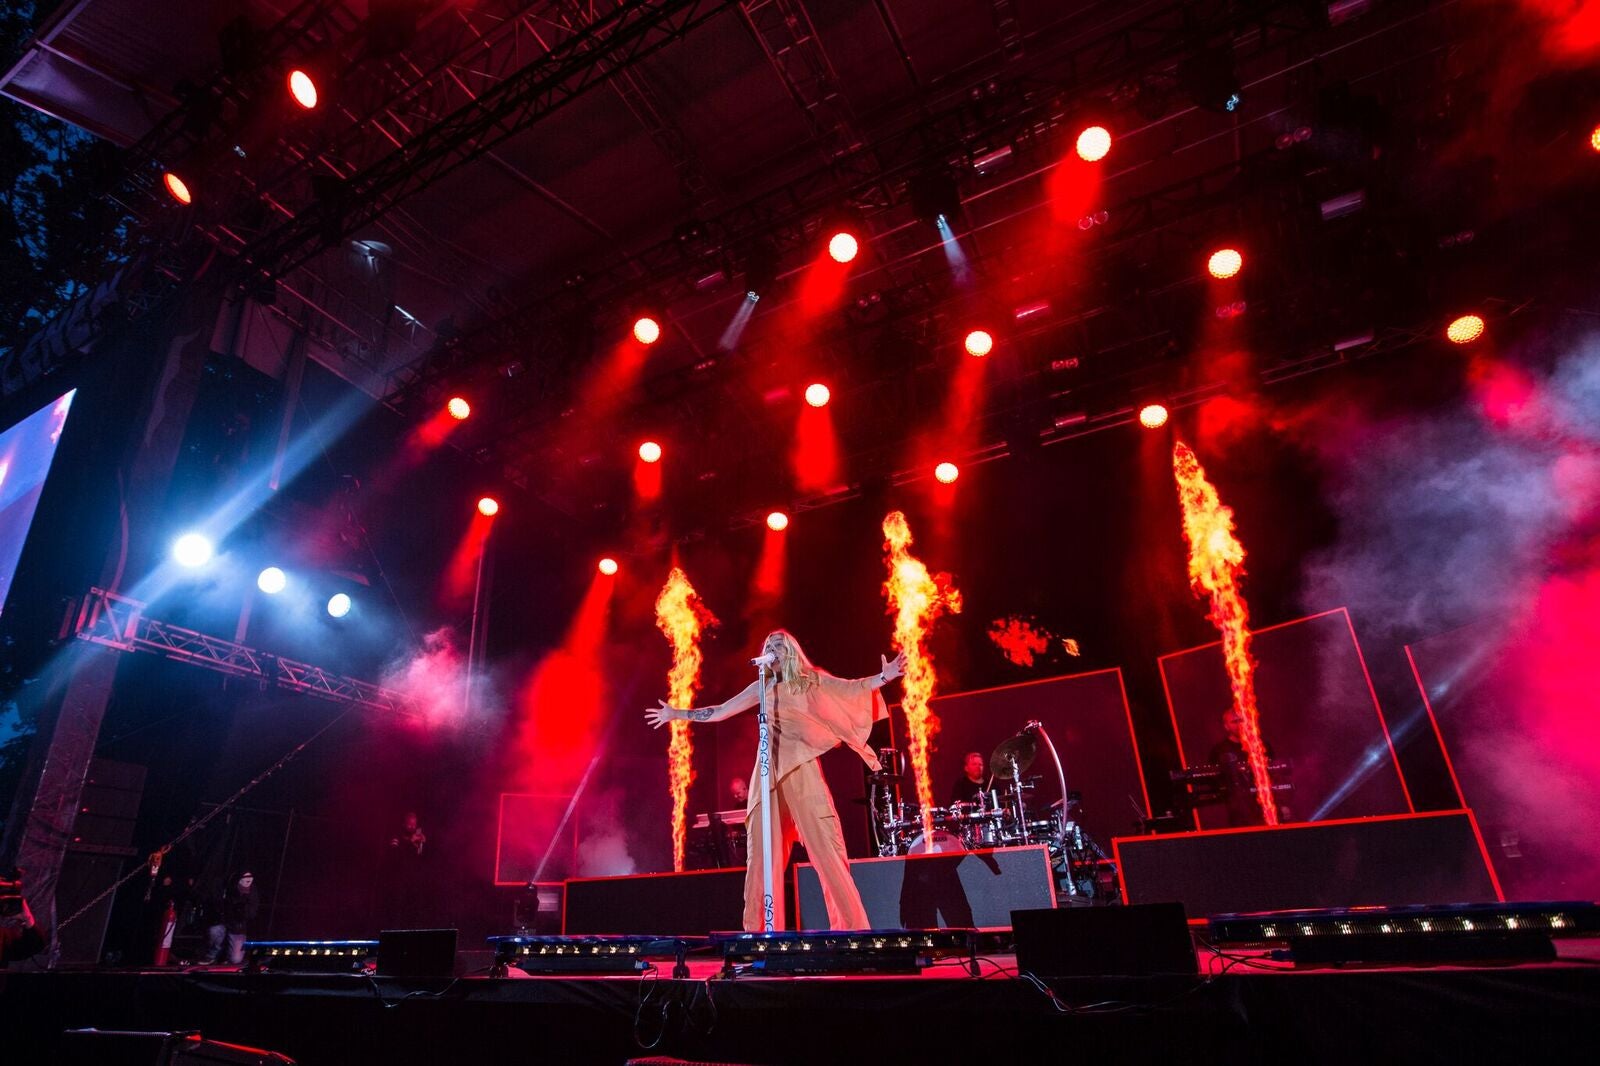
(808, 718)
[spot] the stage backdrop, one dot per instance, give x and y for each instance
(1318, 712)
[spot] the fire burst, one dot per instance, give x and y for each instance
(916, 599)
(680, 615)
(1216, 560)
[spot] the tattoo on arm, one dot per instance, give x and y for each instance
(702, 714)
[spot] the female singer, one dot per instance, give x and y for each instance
(810, 711)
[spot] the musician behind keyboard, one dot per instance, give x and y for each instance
(1237, 788)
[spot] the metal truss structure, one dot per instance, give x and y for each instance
(114, 621)
(574, 65)
(870, 171)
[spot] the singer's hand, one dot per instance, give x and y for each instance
(893, 668)
(660, 716)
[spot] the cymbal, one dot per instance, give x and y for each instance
(1022, 747)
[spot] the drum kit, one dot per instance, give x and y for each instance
(1000, 816)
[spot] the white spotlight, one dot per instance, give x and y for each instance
(192, 550)
(339, 605)
(272, 581)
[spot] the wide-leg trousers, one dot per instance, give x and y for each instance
(804, 809)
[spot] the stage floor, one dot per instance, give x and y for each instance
(1243, 1009)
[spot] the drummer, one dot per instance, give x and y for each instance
(971, 783)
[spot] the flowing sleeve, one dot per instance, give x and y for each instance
(849, 707)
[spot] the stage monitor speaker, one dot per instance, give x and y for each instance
(693, 903)
(944, 890)
(416, 953)
(1134, 941)
(1395, 860)
(109, 1047)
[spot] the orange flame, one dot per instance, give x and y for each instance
(1216, 561)
(680, 615)
(916, 599)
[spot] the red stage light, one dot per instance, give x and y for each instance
(946, 473)
(608, 566)
(1465, 329)
(303, 89)
(176, 188)
(488, 506)
(1594, 139)
(1093, 144)
(777, 521)
(650, 451)
(817, 395)
(459, 408)
(646, 330)
(1153, 415)
(1225, 263)
(980, 343)
(843, 247)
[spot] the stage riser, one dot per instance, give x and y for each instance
(1409, 859)
(945, 891)
(687, 904)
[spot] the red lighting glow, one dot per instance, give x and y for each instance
(608, 567)
(817, 395)
(842, 247)
(1594, 139)
(650, 451)
(1224, 263)
(979, 343)
(488, 506)
(1465, 329)
(646, 330)
(946, 473)
(303, 89)
(1093, 144)
(176, 188)
(459, 408)
(1153, 416)
(777, 521)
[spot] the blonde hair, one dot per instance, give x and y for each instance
(794, 667)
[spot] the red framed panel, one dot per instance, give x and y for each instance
(534, 819)
(1319, 711)
(1087, 717)
(566, 884)
(1042, 852)
(1483, 850)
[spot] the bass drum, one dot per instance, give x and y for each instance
(937, 844)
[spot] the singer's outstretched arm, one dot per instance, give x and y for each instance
(660, 716)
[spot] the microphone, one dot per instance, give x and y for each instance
(766, 659)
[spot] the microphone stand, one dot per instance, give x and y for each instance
(764, 770)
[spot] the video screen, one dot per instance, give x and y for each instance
(26, 451)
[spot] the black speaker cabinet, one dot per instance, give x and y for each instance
(1135, 941)
(416, 952)
(944, 890)
(1435, 857)
(84, 875)
(693, 903)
